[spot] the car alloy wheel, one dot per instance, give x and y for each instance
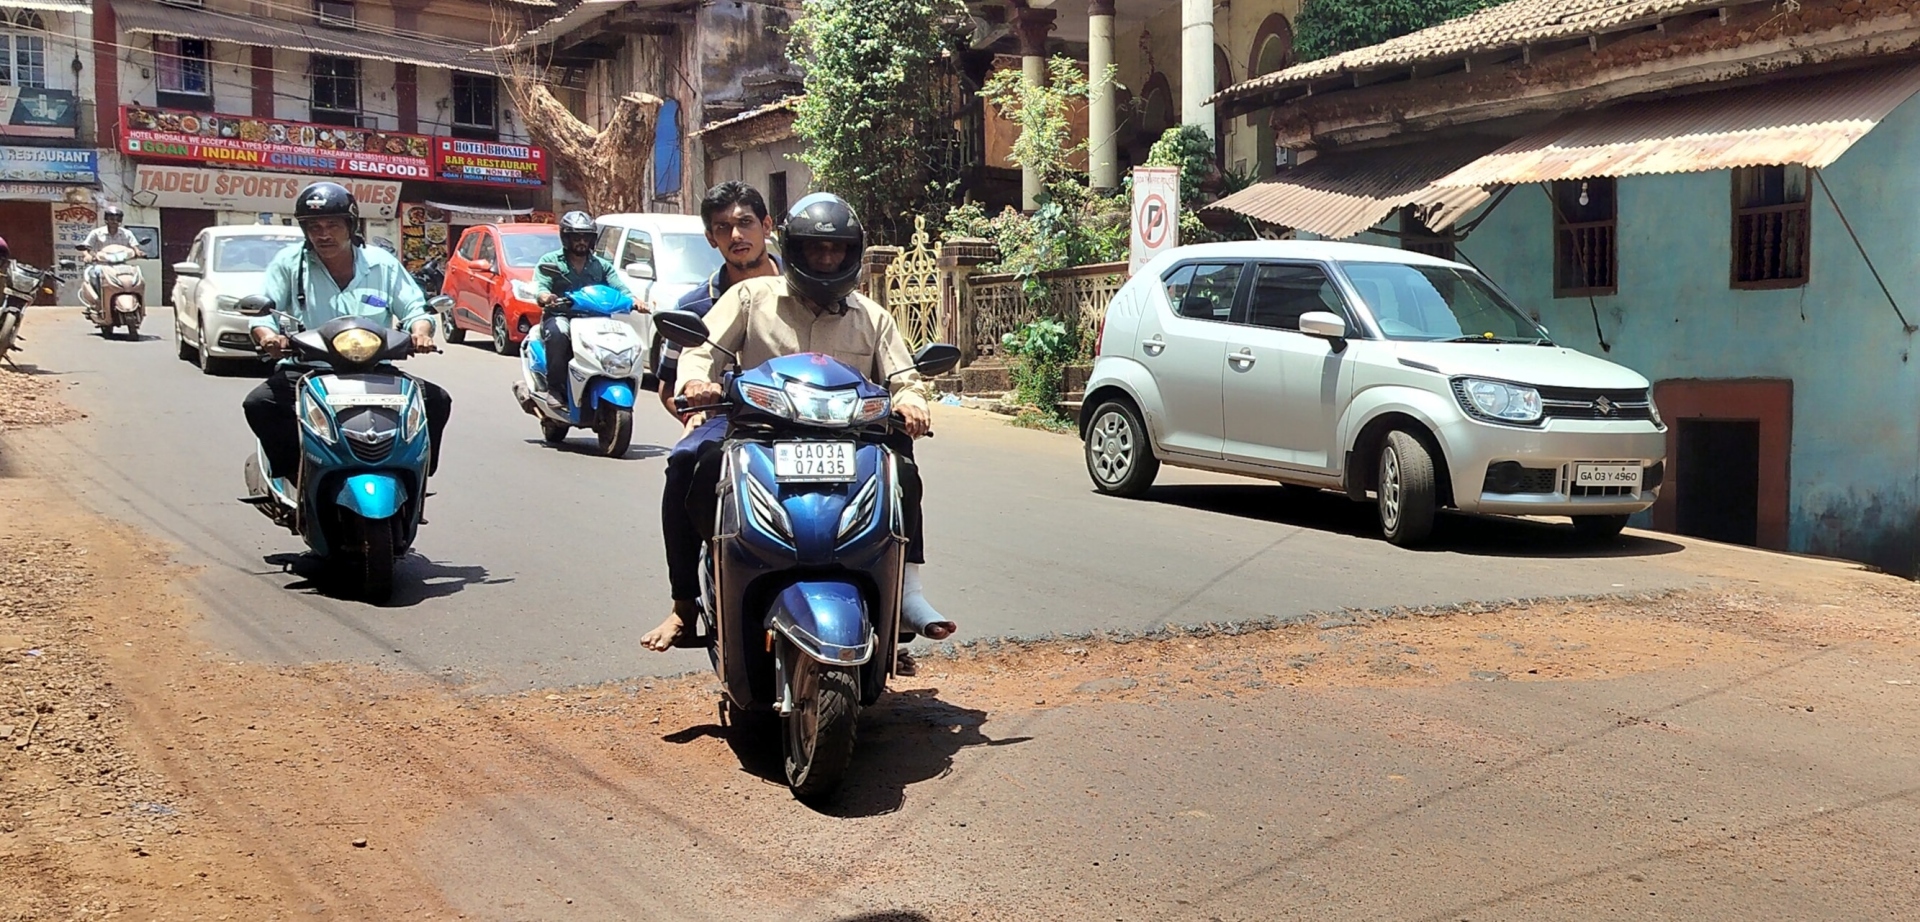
(1390, 490)
(1111, 447)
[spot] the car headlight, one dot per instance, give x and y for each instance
(227, 304)
(616, 361)
(313, 415)
(1498, 400)
(823, 407)
(1653, 411)
(357, 346)
(416, 418)
(766, 400)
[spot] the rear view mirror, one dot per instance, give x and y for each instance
(439, 304)
(254, 306)
(681, 328)
(481, 265)
(186, 268)
(1323, 324)
(640, 271)
(935, 359)
(67, 264)
(551, 271)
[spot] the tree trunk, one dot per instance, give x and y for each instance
(607, 167)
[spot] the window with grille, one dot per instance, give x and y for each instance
(336, 13)
(336, 90)
(777, 194)
(473, 101)
(1586, 256)
(180, 65)
(1772, 221)
(23, 50)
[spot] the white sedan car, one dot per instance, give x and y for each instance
(1367, 370)
(225, 265)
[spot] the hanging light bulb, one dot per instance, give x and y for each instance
(1583, 194)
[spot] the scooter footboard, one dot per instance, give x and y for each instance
(826, 620)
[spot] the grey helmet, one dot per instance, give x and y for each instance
(577, 224)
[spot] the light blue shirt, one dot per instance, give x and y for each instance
(381, 288)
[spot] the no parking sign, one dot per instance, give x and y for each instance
(1156, 213)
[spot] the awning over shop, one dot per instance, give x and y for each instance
(1809, 121)
(1339, 195)
(472, 214)
(54, 6)
(146, 16)
(554, 28)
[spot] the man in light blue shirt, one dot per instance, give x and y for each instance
(333, 274)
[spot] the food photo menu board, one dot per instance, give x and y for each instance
(260, 143)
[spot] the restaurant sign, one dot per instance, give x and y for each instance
(38, 113)
(256, 193)
(49, 164)
(270, 144)
(487, 163)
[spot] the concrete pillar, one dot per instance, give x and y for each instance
(1030, 28)
(1103, 164)
(1196, 63)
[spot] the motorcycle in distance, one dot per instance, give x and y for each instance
(363, 451)
(801, 576)
(114, 290)
(604, 373)
(25, 284)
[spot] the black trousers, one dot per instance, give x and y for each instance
(559, 343)
(687, 505)
(270, 408)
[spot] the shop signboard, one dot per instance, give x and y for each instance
(49, 165)
(271, 144)
(487, 163)
(246, 191)
(42, 192)
(38, 113)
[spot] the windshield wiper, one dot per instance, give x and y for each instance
(1477, 339)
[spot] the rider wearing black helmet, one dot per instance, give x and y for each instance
(333, 274)
(579, 267)
(810, 307)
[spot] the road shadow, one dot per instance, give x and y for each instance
(1456, 532)
(13, 364)
(908, 737)
(416, 578)
(885, 915)
(583, 447)
(123, 338)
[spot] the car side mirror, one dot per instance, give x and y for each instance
(186, 268)
(254, 306)
(481, 265)
(439, 303)
(640, 271)
(681, 328)
(1323, 324)
(67, 264)
(935, 359)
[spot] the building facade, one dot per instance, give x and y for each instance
(49, 164)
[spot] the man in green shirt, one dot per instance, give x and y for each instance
(579, 266)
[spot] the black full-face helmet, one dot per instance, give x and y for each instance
(575, 225)
(822, 216)
(328, 200)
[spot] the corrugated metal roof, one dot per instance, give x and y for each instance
(585, 12)
(783, 104)
(1811, 120)
(1339, 195)
(1509, 25)
(145, 16)
(54, 6)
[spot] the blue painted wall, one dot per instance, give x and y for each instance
(1854, 489)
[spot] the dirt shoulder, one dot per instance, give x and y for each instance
(143, 776)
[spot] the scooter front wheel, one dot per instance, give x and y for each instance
(363, 565)
(9, 328)
(819, 734)
(615, 430)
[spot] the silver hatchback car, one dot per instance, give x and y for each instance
(1373, 371)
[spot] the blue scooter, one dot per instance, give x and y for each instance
(602, 377)
(801, 576)
(364, 450)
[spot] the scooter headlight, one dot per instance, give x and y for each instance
(416, 418)
(357, 346)
(823, 407)
(313, 415)
(617, 361)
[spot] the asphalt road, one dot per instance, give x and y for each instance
(542, 566)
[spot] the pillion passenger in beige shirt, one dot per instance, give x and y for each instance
(757, 319)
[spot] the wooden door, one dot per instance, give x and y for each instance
(178, 228)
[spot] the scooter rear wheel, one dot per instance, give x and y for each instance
(819, 734)
(553, 433)
(9, 328)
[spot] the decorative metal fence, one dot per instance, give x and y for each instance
(1077, 296)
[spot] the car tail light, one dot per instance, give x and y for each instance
(1099, 333)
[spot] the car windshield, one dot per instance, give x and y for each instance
(1439, 304)
(249, 254)
(684, 259)
(524, 250)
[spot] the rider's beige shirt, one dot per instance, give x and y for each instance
(758, 320)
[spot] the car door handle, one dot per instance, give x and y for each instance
(1243, 359)
(1154, 346)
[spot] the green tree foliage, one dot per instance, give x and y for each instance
(1329, 27)
(878, 74)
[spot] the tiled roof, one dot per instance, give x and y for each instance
(1507, 26)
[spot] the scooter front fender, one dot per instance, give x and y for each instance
(607, 390)
(825, 620)
(372, 496)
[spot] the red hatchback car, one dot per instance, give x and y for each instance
(480, 277)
